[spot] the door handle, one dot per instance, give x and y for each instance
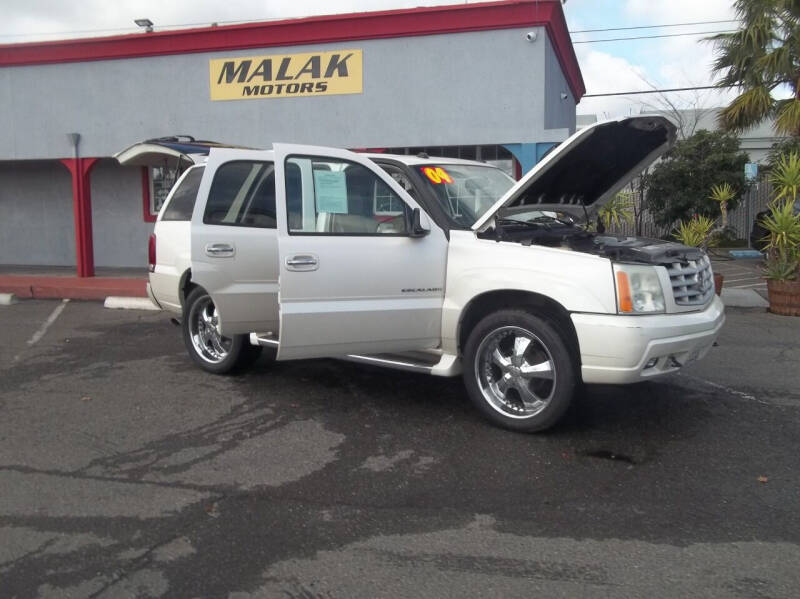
(220, 250)
(302, 262)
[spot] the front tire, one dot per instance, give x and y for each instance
(518, 371)
(206, 345)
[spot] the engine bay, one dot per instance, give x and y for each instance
(558, 233)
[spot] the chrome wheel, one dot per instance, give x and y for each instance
(515, 372)
(207, 341)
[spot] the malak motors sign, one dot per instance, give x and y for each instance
(286, 75)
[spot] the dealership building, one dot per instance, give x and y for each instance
(497, 81)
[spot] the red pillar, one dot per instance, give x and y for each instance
(82, 210)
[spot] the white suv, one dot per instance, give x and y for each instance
(436, 265)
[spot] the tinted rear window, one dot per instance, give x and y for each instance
(181, 205)
(242, 195)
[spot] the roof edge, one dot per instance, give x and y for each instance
(432, 20)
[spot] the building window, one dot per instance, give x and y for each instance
(385, 202)
(162, 178)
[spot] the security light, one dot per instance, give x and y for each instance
(146, 23)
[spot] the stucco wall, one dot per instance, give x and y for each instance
(469, 88)
(487, 87)
(36, 216)
(558, 112)
(119, 230)
(36, 223)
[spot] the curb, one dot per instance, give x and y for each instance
(116, 302)
(6, 299)
(745, 254)
(90, 288)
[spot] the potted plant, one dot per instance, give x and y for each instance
(697, 232)
(782, 266)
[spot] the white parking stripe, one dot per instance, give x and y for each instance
(50, 320)
(730, 390)
(753, 278)
(761, 284)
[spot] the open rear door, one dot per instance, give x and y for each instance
(234, 240)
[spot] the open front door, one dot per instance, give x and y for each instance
(354, 275)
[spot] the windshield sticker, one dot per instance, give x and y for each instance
(330, 189)
(437, 174)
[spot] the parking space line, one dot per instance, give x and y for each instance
(743, 279)
(730, 390)
(46, 325)
(761, 284)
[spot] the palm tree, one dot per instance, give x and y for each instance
(763, 55)
(723, 194)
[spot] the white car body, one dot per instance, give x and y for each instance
(403, 300)
(174, 253)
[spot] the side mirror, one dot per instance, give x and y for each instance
(415, 227)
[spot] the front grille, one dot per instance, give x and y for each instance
(692, 281)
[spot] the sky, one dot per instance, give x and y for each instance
(606, 66)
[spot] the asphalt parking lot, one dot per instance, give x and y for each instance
(743, 273)
(127, 472)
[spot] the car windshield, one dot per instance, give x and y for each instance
(465, 191)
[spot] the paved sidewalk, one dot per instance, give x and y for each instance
(91, 288)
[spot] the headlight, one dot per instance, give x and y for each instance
(638, 289)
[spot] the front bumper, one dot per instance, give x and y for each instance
(628, 349)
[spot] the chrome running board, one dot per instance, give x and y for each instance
(266, 339)
(391, 361)
(431, 361)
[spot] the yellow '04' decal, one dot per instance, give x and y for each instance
(437, 174)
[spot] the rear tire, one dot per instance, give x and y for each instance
(206, 345)
(518, 371)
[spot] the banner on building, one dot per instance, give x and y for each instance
(286, 75)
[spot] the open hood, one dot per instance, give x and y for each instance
(181, 151)
(588, 168)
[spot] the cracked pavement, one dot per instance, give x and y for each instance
(125, 471)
